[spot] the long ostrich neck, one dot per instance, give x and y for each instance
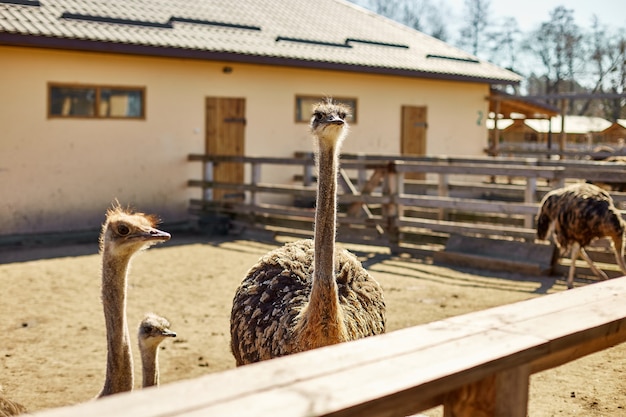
(119, 370)
(150, 365)
(325, 217)
(324, 318)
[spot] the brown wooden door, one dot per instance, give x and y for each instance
(225, 130)
(413, 141)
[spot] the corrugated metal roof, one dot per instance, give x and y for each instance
(324, 34)
(508, 105)
(502, 123)
(573, 124)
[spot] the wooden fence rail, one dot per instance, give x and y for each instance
(478, 364)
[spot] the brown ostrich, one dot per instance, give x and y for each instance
(9, 407)
(578, 214)
(124, 233)
(307, 294)
(153, 330)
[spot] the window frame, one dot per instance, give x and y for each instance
(299, 115)
(98, 92)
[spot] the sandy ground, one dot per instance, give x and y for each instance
(53, 340)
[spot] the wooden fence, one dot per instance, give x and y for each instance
(478, 364)
(490, 197)
(573, 151)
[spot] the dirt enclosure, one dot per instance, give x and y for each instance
(53, 339)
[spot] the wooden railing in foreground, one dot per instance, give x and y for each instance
(478, 364)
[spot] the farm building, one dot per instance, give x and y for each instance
(106, 99)
(615, 134)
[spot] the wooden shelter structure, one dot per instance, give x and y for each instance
(503, 105)
(541, 100)
(581, 130)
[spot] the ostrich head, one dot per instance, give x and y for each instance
(153, 329)
(126, 232)
(328, 123)
(547, 213)
(543, 225)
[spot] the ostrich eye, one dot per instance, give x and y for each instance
(342, 115)
(123, 230)
(148, 329)
(318, 116)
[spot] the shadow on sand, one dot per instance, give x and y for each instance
(406, 266)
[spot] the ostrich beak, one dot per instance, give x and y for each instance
(169, 333)
(335, 120)
(156, 235)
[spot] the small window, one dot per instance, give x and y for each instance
(304, 107)
(96, 102)
(72, 101)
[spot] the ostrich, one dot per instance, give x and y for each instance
(9, 407)
(124, 233)
(153, 329)
(578, 214)
(307, 294)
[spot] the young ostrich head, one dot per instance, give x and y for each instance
(153, 330)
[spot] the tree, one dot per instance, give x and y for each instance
(422, 15)
(412, 14)
(386, 8)
(505, 44)
(558, 57)
(557, 46)
(437, 21)
(607, 58)
(473, 33)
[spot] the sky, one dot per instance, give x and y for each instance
(530, 13)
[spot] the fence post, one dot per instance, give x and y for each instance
(207, 194)
(256, 178)
(307, 176)
(529, 197)
(361, 174)
(443, 190)
(504, 394)
(392, 186)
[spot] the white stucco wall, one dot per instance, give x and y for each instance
(61, 174)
